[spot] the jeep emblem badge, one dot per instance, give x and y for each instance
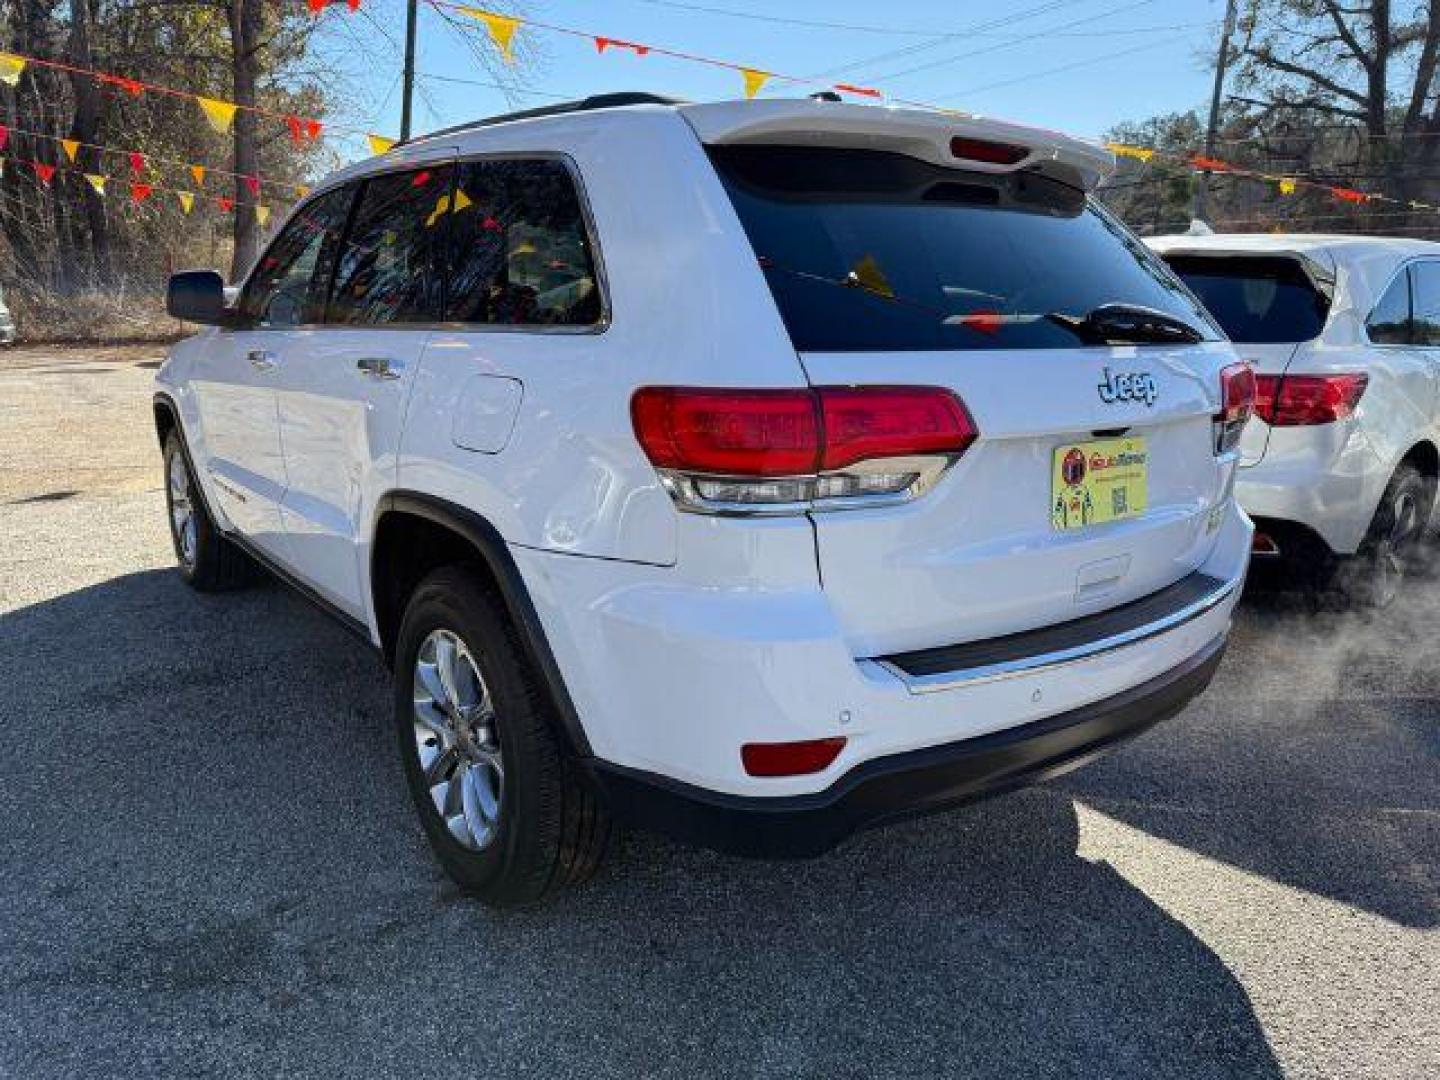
(1128, 386)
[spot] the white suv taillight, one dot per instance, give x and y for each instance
(788, 451)
(1237, 403)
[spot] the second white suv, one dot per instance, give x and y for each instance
(1339, 466)
(752, 471)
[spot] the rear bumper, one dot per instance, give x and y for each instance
(903, 785)
(1325, 478)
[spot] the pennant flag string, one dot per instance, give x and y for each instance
(138, 162)
(136, 191)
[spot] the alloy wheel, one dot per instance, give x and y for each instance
(457, 740)
(182, 509)
(1395, 546)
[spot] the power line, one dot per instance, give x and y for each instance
(1058, 70)
(820, 24)
(942, 39)
(1042, 32)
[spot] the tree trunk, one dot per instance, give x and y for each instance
(86, 128)
(245, 29)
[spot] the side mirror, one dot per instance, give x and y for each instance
(197, 296)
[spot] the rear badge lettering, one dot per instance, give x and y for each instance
(1128, 386)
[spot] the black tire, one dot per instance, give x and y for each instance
(207, 560)
(1395, 548)
(550, 831)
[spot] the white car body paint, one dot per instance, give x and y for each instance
(1330, 477)
(681, 636)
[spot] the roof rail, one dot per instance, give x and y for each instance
(594, 101)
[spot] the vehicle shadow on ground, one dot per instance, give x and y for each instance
(211, 865)
(1311, 760)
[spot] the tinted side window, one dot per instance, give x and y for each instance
(1389, 323)
(519, 251)
(1425, 284)
(386, 270)
(289, 283)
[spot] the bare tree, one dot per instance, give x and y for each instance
(1368, 66)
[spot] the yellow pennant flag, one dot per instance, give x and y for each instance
(1139, 153)
(1287, 186)
(262, 215)
(379, 144)
(198, 172)
(301, 190)
(502, 30)
(186, 201)
(96, 182)
(11, 68)
(71, 148)
(221, 114)
(754, 80)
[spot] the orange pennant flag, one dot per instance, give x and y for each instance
(198, 172)
(71, 148)
(754, 80)
(221, 114)
(502, 30)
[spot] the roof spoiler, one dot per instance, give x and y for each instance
(950, 140)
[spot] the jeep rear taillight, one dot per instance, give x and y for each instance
(1237, 402)
(1304, 400)
(788, 451)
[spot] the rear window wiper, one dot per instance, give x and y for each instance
(1120, 324)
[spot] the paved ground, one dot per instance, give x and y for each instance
(208, 864)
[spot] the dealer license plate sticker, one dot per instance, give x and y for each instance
(1099, 481)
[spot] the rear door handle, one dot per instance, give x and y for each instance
(379, 367)
(262, 359)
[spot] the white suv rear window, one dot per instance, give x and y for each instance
(869, 250)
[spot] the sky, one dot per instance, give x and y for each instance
(1074, 65)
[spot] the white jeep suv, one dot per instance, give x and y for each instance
(752, 471)
(1339, 466)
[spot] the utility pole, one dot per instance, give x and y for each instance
(408, 89)
(1212, 128)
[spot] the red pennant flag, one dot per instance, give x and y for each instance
(252, 183)
(353, 5)
(4, 136)
(140, 192)
(602, 43)
(226, 203)
(1209, 164)
(46, 173)
(130, 86)
(863, 91)
(421, 178)
(137, 161)
(317, 6)
(1350, 195)
(302, 128)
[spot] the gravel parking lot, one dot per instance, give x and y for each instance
(208, 863)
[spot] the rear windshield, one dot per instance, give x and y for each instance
(1257, 300)
(867, 250)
